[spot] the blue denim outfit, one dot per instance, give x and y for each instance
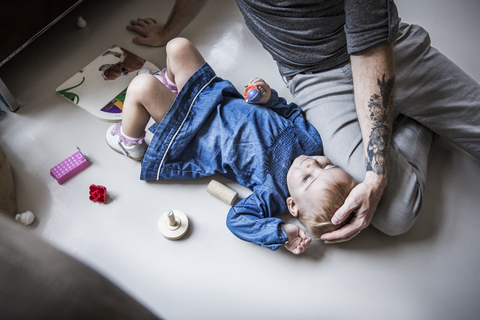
(210, 129)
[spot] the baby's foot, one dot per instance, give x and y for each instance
(132, 148)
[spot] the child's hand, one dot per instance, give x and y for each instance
(297, 238)
(263, 87)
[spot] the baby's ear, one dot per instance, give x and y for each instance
(292, 207)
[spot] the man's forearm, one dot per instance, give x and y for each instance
(183, 12)
(374, 80)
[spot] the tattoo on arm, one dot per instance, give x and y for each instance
(380, 108)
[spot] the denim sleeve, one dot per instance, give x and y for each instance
(251, 219)
(281, 107)
(369, 23)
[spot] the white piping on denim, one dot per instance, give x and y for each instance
(181, 125)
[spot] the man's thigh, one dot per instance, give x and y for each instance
(434, 91)
(328, 102)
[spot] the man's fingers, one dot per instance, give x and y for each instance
(138, 29)
(344, 211)
(342, 240)
(134, 22)
(342, 233)
(139, 25)
(133, 27)
(347, 232)
(149, 21)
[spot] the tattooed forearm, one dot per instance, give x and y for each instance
(381, 107)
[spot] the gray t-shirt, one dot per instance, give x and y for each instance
(308, 35)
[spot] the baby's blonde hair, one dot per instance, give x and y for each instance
(324, 207)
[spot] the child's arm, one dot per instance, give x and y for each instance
(263, 87)
(297, 239)
(271, 100)
(252, 219)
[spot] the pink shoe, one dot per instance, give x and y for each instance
(162, 76)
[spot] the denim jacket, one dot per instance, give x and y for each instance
(210, 129)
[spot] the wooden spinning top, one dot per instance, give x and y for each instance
(173, 224)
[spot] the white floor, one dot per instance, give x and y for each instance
(429, 273)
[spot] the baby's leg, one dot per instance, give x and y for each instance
(149, 98)
(146, 97)
(183, 59)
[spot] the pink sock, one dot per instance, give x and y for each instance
(126, 139)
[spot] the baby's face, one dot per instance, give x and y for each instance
(309, 176)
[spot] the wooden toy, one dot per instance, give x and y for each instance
(222, 192)
(173, 224)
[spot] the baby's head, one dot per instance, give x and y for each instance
(317, 189)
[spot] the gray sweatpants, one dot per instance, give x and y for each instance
(433, 94)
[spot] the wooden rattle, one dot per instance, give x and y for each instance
(222, 192)
(173, 224)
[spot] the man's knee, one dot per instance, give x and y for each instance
(395, 216)
(397, 228)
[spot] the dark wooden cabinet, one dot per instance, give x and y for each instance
(21, 21)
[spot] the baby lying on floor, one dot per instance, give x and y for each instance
(208, 128)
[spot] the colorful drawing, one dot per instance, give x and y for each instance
(100, 87)
(116, 105)
(70, 95)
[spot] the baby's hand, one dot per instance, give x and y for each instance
(297, 238)
(263, 87)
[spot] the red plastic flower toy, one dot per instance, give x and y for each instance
(98, 193)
